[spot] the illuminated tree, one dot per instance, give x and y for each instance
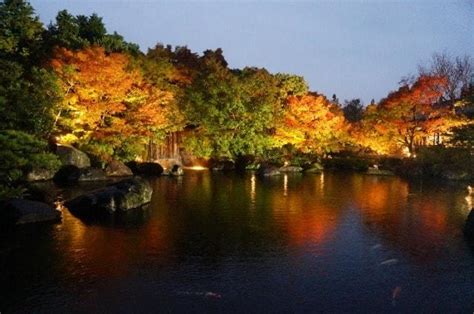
(312, 124)
(372, 132)
(412, 116)
(231, 110)
(106, 102)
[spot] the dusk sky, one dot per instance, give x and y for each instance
(356, 49)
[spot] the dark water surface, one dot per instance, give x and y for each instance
(227, 243)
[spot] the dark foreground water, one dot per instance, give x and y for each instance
(228, 243)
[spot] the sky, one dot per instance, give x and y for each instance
(353, 48)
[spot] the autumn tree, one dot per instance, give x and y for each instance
(312, 124)
(457, 72)
(107, 104)
(373, 134)
(412, 114)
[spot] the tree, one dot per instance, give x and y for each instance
(116, 43)
(353, 110)
(66, 32)
(371, 132)
(463, 136)
(291, 85)
(78, 32)
(231, 111)
(106, 102)
(312, 124)
(456, 70)
(20, 153)
(28, 93)
(91, 28)
(27, 100)
(413, 114)
(20, 32)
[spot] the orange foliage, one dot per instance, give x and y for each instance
(408, 116)
(312, 124)
(105, 97)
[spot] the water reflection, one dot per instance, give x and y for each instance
(273, 241)
(253, 191)
(469, 199)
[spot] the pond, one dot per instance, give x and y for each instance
(214, 242)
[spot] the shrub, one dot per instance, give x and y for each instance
(20, 153)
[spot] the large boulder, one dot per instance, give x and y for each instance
(145, 168)
(40, 175)
(289, 168)
(92, 174)
(469, 227)
(67, 175)
(455, 175)
(315, 168)
(117, 168)
(176, 171)
(268, 171)
(379, 172)
(19, 211)
(72, 156)
(223, 165)
(117, 197)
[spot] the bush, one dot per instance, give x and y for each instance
(20, 153)
(347, 163)
(436, 159)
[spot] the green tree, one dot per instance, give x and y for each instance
(28, 93)
(353, 110)
(20, 32)
(91, 28)
(66, 32)
(78, 32)
(231, 110)
(20, 154)
(27, 100)
(291, 85)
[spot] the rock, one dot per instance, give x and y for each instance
(168, 163)
(118, 197)
(410, 168)
(92, 174)
(223, 165)
(67, 175)
(267, 171)
(469, 227)
(455, 175)
(145, 168)
(117, 168)
(176, 171)
(291, 169)
(315, 168)
(379, 172)
(40, 175)
(72, 156)
(19, 211)
(253, 166)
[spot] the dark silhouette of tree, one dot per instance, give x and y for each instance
(457, 71)
(353, 110)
